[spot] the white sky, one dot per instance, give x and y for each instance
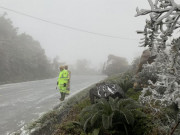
(111, 17)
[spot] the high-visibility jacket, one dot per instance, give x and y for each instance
(63, 80)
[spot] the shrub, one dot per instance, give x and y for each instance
(126, 84)
(131, 93)
(116, 116)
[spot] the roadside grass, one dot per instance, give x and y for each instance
(69, 125)
(148, 124)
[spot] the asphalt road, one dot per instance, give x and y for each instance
(21, 103)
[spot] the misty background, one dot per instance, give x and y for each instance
(115, 18)
(39, 36)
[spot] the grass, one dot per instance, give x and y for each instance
(131, 93)
(69, 125)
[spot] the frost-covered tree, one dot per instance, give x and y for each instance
(164, 17)
(160, 28)
(164, 20)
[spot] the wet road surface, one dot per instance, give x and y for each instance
(21, 103)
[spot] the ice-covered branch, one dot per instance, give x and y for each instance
(146, 11)
(164, 73)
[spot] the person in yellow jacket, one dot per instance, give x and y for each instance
(62, 82)
(68, 84)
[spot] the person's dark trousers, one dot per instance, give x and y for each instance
(62, 96)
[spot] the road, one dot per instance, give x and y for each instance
(21, 103)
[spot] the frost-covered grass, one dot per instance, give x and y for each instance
(68, 125)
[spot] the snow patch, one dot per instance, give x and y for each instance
(21, 123)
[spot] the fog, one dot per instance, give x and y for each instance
(109, 17)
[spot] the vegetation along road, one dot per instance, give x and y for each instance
(21, 103)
